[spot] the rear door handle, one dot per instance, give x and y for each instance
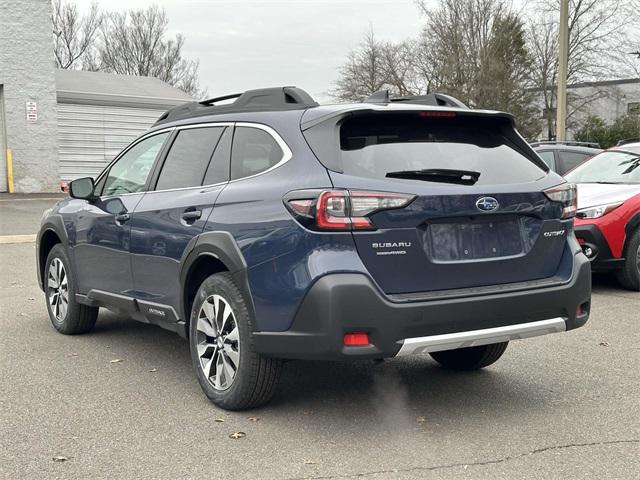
(191, 215)
(122, 217)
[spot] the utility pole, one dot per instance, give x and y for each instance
(563, 60)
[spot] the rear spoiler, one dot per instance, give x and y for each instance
(322, 132)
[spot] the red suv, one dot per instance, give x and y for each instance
(608, 219)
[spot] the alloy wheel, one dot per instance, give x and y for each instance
(218, 342)
(58, 289)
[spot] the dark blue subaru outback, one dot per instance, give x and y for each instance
(274, 228)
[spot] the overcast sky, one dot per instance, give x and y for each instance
(246, 44)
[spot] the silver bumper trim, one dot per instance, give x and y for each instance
(451, 341)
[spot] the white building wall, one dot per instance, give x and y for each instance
(90, 136)
(607, 100)
(610, 102)
(27, 74)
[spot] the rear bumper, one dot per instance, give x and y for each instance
(348, 302)
(595, 246)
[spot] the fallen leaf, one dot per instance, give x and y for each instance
(309, 462)
(153, 370)
(218, 420)
(253, 419)
(60, 458)
(72, 354)
(604, 344)
(421, 419)
(237, 435)
(116, 360)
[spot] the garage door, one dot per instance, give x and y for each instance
(89, 136)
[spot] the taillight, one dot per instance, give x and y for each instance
(567, 195)
(332, 210)
(342, 209)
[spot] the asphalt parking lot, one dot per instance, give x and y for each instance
(122, 402)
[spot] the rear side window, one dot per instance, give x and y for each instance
(570, 160)
(189, 157)
(254, 151)
(375, 144)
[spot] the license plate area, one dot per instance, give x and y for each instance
(473, 239)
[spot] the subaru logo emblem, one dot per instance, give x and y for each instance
(487, 204)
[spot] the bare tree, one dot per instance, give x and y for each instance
(375, 65)
(597, 32)
(135, 43)
(73, 34)
(630, 51)
(400, 68)
(455, 41)
(363, 73)
(476, 51)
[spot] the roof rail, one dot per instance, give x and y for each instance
(566, 142)
(263, 99)
(628, 140)
(211, 101)
(434, 99)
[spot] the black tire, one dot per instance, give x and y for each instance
(471, 358)
(256, 377)
(77, 318)
(629, 275)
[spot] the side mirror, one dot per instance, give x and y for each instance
(82, 188)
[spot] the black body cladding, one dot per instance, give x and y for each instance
(265, 99)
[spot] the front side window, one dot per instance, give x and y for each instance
(608, 167)
(254, 151)
(188, 158)
(130, 172)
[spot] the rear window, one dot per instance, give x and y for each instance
(374, 144)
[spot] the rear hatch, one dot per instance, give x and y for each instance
(478, 214)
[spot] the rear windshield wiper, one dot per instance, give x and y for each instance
(441, 175)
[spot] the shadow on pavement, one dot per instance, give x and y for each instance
(394, 395)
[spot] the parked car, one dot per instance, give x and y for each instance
(274, 228)
(608, 218)
(565, 156)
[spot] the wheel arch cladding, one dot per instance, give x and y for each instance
(208, 254)
(50, 237)
(632, 224)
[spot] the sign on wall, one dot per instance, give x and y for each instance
(32, 112)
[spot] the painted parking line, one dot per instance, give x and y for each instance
(31, 238)
(36, 199)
